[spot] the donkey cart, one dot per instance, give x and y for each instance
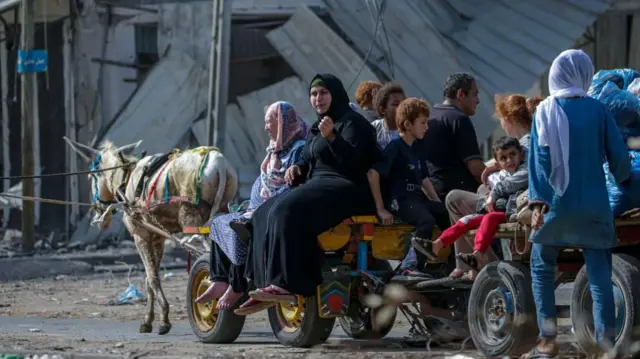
(501, 311)
(356, 265)
(498, 306)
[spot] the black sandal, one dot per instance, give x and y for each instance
(470, 260)
(243, 228)
(536, 354)
(424, 246)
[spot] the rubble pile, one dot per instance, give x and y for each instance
(56, 243)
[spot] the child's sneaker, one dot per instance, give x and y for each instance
(424, 246)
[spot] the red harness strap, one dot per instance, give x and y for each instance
(154, 185)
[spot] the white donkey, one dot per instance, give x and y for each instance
(218, 183)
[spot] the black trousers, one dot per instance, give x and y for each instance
(284, 250)
(222, 270)
(424, 214)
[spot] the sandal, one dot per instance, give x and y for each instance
(272, 295)
(243, 228)
(252, 306)
(536, 354)
(469, 259)
(424, 246)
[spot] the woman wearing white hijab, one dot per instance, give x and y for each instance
(571, 135)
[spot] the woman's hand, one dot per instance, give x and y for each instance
(385, 216)
(537, 218)
(291, 173)
(326, 128)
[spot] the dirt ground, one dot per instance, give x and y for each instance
(86, 297)
(90, 297)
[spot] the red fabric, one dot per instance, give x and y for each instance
(462, 226)
(154, 185)
(486, 224)
(487, 230)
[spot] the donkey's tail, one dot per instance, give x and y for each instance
(222, 184)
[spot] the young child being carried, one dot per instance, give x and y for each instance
(493, 210)
(405, 172)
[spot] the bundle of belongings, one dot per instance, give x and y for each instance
(618, 89)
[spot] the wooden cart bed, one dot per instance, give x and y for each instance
(627, 228)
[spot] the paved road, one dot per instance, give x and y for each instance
(107, 330)
(102, 336)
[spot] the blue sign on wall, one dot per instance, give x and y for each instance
(32, 61)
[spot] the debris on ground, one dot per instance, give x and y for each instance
(131, 295)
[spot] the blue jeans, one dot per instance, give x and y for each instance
(599, 270)
(411, 260)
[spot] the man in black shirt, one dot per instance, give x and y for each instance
(451, 146)
(453, 156)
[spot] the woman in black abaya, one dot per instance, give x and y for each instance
(340, 149)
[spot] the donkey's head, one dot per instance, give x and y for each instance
(104, 184)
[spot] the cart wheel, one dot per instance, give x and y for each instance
(358, 323)
(298, 324)
(209, 324)
(501, 310)
(626, 276)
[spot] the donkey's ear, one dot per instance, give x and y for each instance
(84, 151)
(127, 149)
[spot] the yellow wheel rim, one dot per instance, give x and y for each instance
(205, 314)
(290, 314)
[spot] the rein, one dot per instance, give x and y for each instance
(126, 175)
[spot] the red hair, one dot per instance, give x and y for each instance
(366, 92)
(409, 110)
(517, 109)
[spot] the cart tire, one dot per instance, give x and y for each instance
(501, 310)
(208, 324)
(362, 327)
(625, 276)
(299, 324)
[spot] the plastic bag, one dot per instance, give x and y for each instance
(634, 87)
(624, 197)
(622, 78)
(625, 108)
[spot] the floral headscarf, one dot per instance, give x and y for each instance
(291, 129)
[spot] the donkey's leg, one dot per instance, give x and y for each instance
(158, 251)
(145, 250)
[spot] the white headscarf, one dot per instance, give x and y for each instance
(570, 76)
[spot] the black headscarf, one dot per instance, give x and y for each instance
(339, 98)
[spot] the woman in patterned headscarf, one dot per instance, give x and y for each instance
(287, 133)
(340, 150)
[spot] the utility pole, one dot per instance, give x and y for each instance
(28, 108)
(210, 125)
(219, 73)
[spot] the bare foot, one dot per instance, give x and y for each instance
(215, 290)
(228, 299)
(436, 246)
(472, 274)
(456, 274)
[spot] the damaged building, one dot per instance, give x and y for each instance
(128, 70)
